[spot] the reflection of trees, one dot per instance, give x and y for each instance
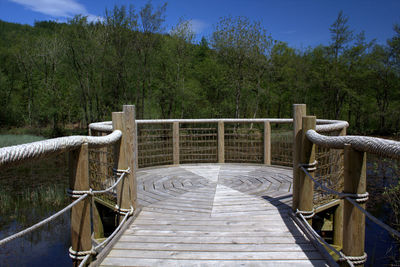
(40, 243)
(384, 187)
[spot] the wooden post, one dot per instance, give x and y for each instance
(80, 213)
(267, 143)
(299, 111)
(175, 142)
(221, 142)
(338, 213)
(101, 157)
(355, 182)
(130, 146)
(121, 163)
(306, 185)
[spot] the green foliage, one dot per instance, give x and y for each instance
(12, 140)
(61, 74)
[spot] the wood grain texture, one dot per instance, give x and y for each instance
(214, 215)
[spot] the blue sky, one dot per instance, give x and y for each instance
(300, 23)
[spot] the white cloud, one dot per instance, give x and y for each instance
(198, 26)
(58, 8)
(94, 18)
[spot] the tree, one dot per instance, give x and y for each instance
(240, 43)
(340, 36)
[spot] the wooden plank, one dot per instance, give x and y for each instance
(163, 232)
(210, 255)
(218, 228)
(167, 262)
(215, 247)
(217, 239)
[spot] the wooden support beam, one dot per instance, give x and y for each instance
(306, 185)
(355, 182)
(130, 146)
(338, 214)
(299, 111)
(175, 141)
(80, 213)
(121, 163)
(267, 143)
(221, 142)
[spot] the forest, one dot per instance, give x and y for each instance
(60, 75)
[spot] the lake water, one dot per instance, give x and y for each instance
(35, 191)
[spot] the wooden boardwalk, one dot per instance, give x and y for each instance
(211, 214)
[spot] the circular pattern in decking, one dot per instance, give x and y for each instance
(155, 184)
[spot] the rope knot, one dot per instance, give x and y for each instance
(356, 260)
(310, 167)
(78, 193)
(306, 214)
(119, 171)
(122, 211)
(80, 255)
(359, 198)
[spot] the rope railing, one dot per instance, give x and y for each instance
(80, 195)
(16, 155)
(323, 125)
(379, 146)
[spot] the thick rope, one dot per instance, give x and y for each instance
(39, 224)
(326, 126)
(353, 199)
(36, 150)
(378, 146)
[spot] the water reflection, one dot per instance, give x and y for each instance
(29, 194)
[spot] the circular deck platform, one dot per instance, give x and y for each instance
(158, 183)
(214, 215)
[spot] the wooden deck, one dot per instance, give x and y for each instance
(214, 214)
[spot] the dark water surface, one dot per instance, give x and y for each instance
(29, 194)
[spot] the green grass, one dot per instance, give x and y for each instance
(11, 139)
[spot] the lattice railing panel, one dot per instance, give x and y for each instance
(282, 144)
(101, 176)
(244, 143)
(330, 171)
(154, 144)
(198, 143)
